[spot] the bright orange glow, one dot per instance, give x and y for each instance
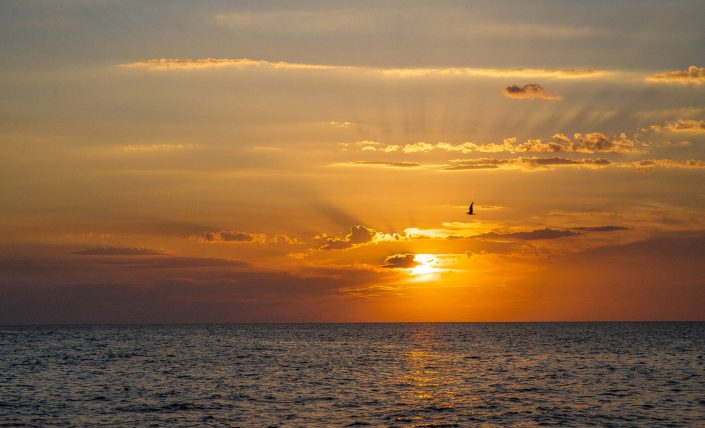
(426, 264)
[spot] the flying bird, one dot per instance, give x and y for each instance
(470, 212)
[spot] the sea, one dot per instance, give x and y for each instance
(303, 375)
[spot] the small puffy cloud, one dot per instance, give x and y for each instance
(532, 235)
(370, 146)
(530, 91)
(235, 237)
(340, 124)
(119, 251)
(693, 74)
(400, 261)
(358, 235)
(417, 147)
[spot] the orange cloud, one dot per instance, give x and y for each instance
(687, 125)
(539, 163)
(358, 235)
(530, 91)
(119, 251)
(246, 63)
(196, 64)
(593, 142)
(235, 237)
(693, 74)
(152, 148)
(534, 163)
(400, 261)
(531, 235)
(387, 164)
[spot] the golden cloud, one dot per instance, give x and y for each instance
(531, 235)
(693, 74)
(235, 237)
(357, 236)
(152, 148)
(196, 64)
(246, 63)
(593, 142)
(535, 163)
(686, 125)
(386, 164)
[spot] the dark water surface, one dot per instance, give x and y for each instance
(619, 374)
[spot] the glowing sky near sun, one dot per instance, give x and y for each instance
(313, 161)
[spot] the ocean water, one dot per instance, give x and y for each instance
(573, 374)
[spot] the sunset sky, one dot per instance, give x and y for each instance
(262, 161)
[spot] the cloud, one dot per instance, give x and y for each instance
(535, 163)
(693, 74)
(530, 91)
(539, 163)
(600, 228)
(175, 263)
(522, 163)
(386, 164)
(493, 72)
(358, 235)
(531, 235)
(664, 163)
(593, 142)
(339, 124)
(656, 279)
(119, 251)
(229, 236)
(400, 261)
(686, 125)
(204, 63)
(152, 148)
(165, 64)
(85, 291)
(235, 237)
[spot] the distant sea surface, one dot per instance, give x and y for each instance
(573, 374)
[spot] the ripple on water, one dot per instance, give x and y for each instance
(630, 374)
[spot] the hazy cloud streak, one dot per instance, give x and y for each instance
(246, 63)
(693, 74)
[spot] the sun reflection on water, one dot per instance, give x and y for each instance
(425, 374)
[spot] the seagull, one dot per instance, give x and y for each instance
(470, 209)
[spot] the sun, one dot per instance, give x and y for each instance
(426, 264)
